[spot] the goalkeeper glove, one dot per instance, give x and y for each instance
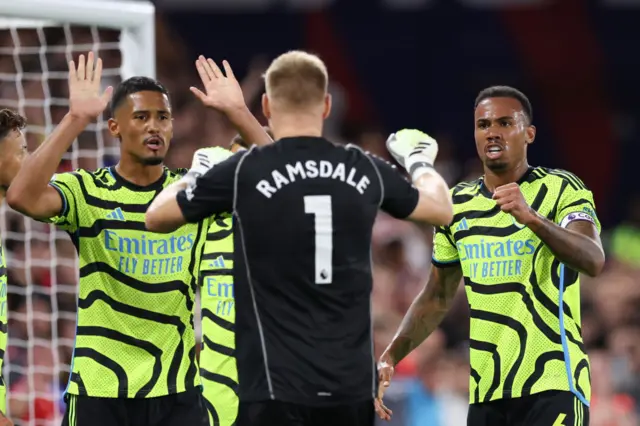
(204, 159)
(414, 150)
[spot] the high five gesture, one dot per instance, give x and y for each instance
(222, 90)
(85, 97)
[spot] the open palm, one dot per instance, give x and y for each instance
(222, 90)
(85, 97)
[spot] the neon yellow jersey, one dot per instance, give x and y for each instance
(525, 334)
(3, 327)
(135, 336)
(217, 359)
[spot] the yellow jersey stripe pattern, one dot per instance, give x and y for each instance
(217, 359)
(3, 328)
(525, 334)
(135, 336)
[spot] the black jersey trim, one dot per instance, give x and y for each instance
(161, 287)
(524, 178)
(216, 347)
(539, 369)
(219, 378)
(520, 330)
(158, 184)
(105, 361)
(449, 264)
(149, 347)
(212, 411)
(219, 235)
(220, 322)
(95, 201)
(137, 312)
(100, 225)
(479, 345)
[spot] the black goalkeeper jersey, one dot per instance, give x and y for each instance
(304, 211)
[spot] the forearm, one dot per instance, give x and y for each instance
(436, 192)
(574, 249)
(248, 127)
(164, 214)
(38, 168)
(424, 315)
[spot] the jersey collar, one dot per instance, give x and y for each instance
(155, 186)
(524, 178)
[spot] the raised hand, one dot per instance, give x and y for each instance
(222, 90)
(85, 99)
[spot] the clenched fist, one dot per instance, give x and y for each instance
(510, 199)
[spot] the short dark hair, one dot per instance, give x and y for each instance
(134, 85)
(506, 92)
(9, 121)
(237, 139)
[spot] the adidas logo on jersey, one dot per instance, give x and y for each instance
(218, 262)
(116, 214)
(462, 226)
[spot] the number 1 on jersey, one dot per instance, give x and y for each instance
(320, 207)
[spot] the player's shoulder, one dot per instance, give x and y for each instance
(374, 159)
(554, 177)
(101, 176)
(465, 191)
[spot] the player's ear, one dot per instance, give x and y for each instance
(530, 134)
(266, 108)
(327, 106)
(114, 128)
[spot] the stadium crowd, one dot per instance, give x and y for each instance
(433, 384)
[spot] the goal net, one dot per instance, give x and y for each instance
(37, 39)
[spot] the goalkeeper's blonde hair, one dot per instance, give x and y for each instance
(296, 80)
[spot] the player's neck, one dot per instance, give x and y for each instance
(288, 126)
(494, 179)
(139, 174)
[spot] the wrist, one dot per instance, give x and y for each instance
(534, 221)
(237, 113)
(77, 118)
(418, 165)
(387, 358)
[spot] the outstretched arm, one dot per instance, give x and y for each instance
(30, 192)
(195, 198)
(425, 313)
(223, 93)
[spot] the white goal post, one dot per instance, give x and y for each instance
(135, 20)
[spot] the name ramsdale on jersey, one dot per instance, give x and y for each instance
(166, 254)
(312, 169)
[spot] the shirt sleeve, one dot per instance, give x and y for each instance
(445, 251)
(576, 203)
(212, 192)
(400, 197)
(70, 190)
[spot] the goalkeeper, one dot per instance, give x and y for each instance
(283, 379)
(134, 357)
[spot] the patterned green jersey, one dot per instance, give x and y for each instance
(525, 334)
(217, 359)
(135, 334)
(3, 326)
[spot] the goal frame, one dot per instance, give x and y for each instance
(135, 20)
